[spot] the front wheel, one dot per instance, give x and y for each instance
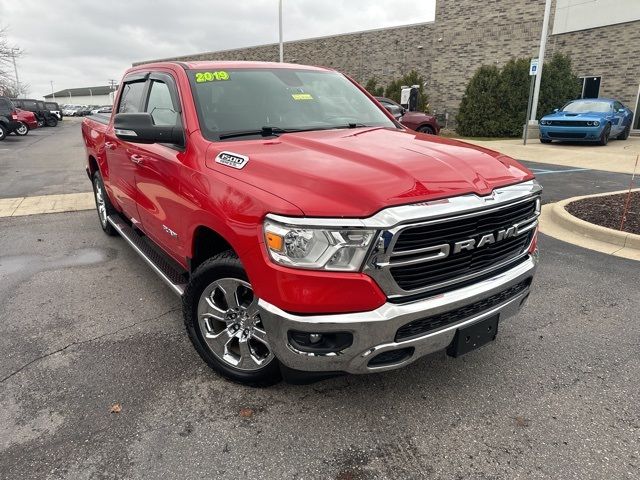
(22, 130)
(40, 123)
(604, 138)
(52, 122)
(223, 322)
(545, 140)
(427, 129)
(3, 132)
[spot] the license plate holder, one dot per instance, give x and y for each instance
(474, 336)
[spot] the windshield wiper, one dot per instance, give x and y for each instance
(264, 132)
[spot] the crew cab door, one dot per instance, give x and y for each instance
(158, 170)
(122, 166)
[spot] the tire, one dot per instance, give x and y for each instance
(22, 130)
(40, 123)
(427, 129)
(625, 133)
(232, 341)
(604, 138)
(545, 140)
(3, 132)
(103, 204)
(52, 122)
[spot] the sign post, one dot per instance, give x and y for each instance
(533, 72)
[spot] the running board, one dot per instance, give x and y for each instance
(171, 275)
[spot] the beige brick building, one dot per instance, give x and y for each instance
(598, 35)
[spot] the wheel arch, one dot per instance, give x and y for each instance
(205, 243)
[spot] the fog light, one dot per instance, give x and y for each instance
(319, 343)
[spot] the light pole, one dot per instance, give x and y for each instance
(280, 28)
(15, 69)
(52, 93)
(543, 44)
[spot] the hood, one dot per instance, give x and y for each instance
(574, 116)
(357, 172)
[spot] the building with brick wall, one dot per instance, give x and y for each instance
(597, 34)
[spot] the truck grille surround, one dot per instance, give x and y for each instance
(419, 259)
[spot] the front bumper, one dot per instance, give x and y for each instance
(374, 332)
(573, 134)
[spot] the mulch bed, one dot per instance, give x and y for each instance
(607, 211)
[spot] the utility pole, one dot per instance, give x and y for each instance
(15, 69)
(280, 28)
(52, 93)
(543, 45)
(112, 84)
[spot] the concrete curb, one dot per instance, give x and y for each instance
(557, 222)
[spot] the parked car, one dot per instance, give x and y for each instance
(55, 109)
(101, 109)
(86, 110)
(70, 110)
(44, 116)
(8, 117)
(296, 219)
(27, 121)
(587, 120)
(418, 121)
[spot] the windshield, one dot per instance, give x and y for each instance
(588, 106)
(246, 100)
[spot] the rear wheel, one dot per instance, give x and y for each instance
(40, 123)
(22, 130)
(3, 132)
(604, 138)
(427, 129)
(223, 321)
(625, 133)
(52, 122)
(103, 205)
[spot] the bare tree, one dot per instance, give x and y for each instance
(8, 53)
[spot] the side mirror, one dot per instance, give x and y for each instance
(621, 110)
(139, 128)
(555, 110)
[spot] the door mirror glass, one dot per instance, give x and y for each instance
(621, 110)
(140, 128)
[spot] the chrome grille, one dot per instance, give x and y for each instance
(412, 270)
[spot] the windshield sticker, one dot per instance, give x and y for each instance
(302, 96)
(202, 77)
(232, 160)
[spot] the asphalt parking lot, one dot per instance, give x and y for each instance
(85, 324)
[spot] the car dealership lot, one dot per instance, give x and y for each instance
(87, 325)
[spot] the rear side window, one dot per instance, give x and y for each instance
(5, 106)
(160, 105)
(131, 98)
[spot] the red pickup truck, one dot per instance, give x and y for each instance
(307, 231)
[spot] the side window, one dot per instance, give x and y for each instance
(131, 97)
(4, 106)
(160, 105)
(617, 106)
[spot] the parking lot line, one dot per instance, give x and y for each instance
(67, 202)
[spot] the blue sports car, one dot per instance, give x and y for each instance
(587, 120)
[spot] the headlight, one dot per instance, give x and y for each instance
(596, 124)
(545, 122)
(317, 248)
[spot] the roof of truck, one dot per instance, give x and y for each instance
(222, 64)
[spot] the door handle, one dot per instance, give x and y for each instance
(109, 145)
(135, 158)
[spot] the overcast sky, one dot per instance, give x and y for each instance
(81, 43)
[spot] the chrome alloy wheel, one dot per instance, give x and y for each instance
(100, 203)
(230, 324)
(22, 129)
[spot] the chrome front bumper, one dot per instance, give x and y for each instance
(374, 332)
